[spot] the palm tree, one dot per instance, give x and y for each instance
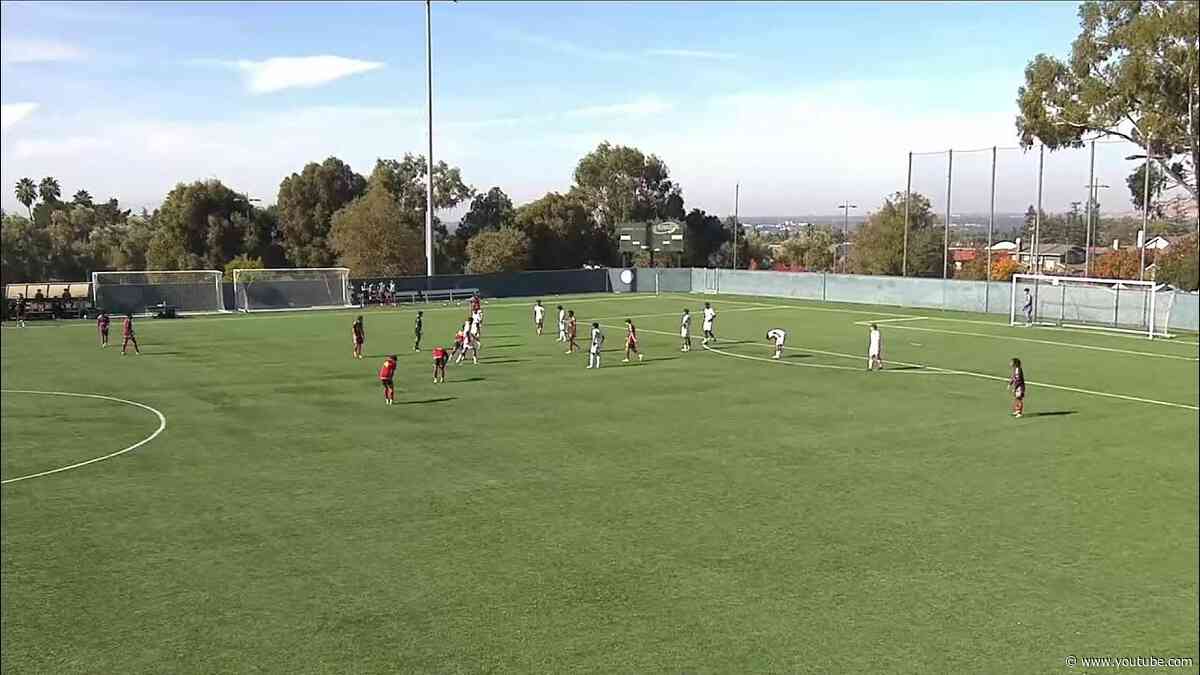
(82, 198)
(27, 194)
(49, 190)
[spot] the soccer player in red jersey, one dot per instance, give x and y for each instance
(440, 357)
(572, 328)
(631, 346)
(102, 322)
(1016, 384)
(386, 375)
(359, 335)
(475, 302)
(127, 335)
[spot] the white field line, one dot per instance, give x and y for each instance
(1055, 343)
(871, 321)
(162, 425)
(952, 371)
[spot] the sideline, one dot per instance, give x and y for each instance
(162, 425)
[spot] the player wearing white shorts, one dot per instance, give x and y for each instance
(539, 316)
(594, 350)
(710, 317)
(778, 336)
(562, 324)
(476, 323)
(875, 349)
(685, 332)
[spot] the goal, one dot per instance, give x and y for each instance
(1125, 305)
(278, 290)
(188, 291)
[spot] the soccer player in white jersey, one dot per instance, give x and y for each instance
(476, 323)
(685, 331)
(562, 324)
(875, 349)
(710, 317)
(778, 336)
(539, 316)
(597, 343)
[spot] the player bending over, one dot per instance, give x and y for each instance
(710, 317)
(359, 335)
(1017, 386)
(102, 322)
(539, 316)
(685, 332)
(439, 364)
(571, 332)
(631, 345)
(386, 375)
(597, 343)
(418, 328)
(562, 324)
(127, 336)
(875, 349)
(778, 336)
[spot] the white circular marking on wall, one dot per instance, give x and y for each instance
(162, 425)
(626, 277)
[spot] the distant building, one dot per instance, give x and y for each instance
(1053, 256)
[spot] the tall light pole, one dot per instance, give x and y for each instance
(1145, 236)
(845, 207)
(737, 189)
(429, 131)
(1093, 224)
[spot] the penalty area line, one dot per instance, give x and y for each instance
(162, 425)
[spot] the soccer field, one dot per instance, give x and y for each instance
(711, 511)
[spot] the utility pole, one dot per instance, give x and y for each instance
(845, 207)
(1145, 236)
(907, 199)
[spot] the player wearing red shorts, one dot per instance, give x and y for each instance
(102, 322)
(440, 357)
(359, 335)
(127, 336)
(631, 346)
(386, 377)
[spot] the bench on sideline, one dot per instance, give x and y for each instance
(49, 300)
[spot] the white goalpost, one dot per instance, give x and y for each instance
(1122, 305)
(279, 290)
(187, 291)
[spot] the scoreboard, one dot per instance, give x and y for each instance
(664, 236)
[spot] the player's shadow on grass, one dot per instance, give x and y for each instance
(428, 400)
(1052, 413)
(472, 379)
(726, 343)
(798, 356)
(906, 368)
(161, 353)
(490, 361)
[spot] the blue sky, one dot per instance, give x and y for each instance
(804, 104)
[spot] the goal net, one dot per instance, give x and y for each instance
(188, 291)
(1107, 304)
(291, 289)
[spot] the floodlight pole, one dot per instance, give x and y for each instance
(1087, 243)
(991, 225)
(845, 207)
(429, 131)
(946, 236)
(737, 188)
(1037, 217)
(1145, 212)
(907, 199)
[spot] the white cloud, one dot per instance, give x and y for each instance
(692, 54)
(11, 113)
(23, 50)
(645, 106)
(286, 72)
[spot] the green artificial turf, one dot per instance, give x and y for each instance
(694, 512)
